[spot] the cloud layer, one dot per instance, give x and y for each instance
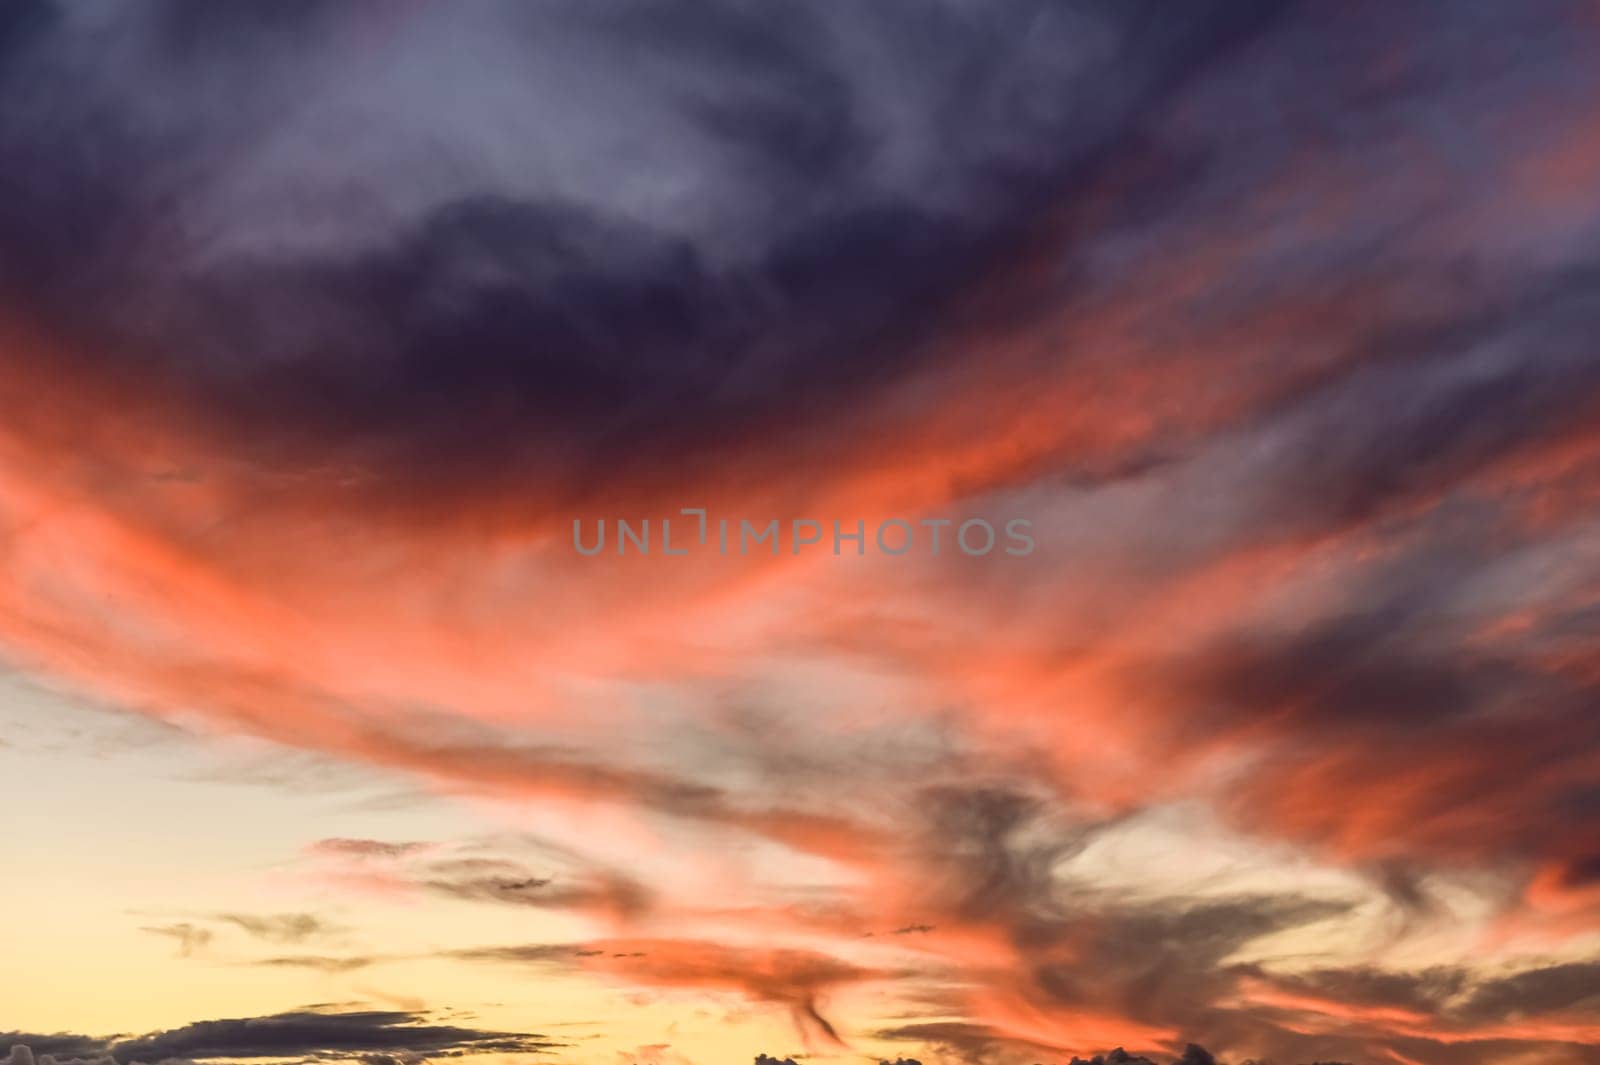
(322, 323)
(375, 1037)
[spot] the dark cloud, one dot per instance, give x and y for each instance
(995, 858)
(1575, 985)
(313, 1033)
(994, 852)
(305, 1034)
(59, 1045)
(1458, 996)
(845, 185)
(1167, 965)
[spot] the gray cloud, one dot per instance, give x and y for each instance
(320, 962)
(191, 938)
(745, 215)
(310, 1033)
(278, 927)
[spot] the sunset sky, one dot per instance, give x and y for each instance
(1276, 326)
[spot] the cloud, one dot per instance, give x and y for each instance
(827, 207)
(793, 978)
(363, 848)
(569, 883)
(1274, 318)
(320, 1033)
(1447, 1006)
(311, 1033)
(279, 927)
(25, 1047)
(606, 892)
(285, 928)
(191, 938)
(526, 953)
(319, 962)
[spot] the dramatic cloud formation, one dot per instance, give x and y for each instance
(321, 324)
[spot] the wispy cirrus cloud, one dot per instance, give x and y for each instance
(279, 927)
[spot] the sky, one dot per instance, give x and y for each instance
(1124, 488)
